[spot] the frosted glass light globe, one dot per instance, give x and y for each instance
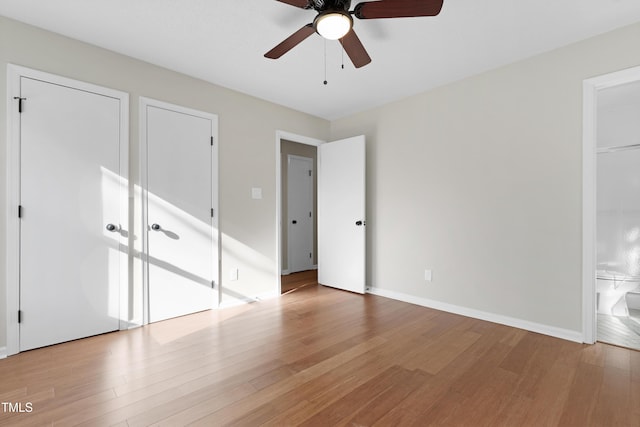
(334, 25)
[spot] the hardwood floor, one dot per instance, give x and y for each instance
(323, 357)
(293, 281)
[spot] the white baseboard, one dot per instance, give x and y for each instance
(3, 352)
(553, 331)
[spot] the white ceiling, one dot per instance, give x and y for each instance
(223, 42)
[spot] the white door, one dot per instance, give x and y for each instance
(300, 213)
(341, 214)
(70, 228)
(182, 243)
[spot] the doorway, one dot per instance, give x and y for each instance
(341, 239)
(298, 189)
(611, 209)
(67, 244)
(297, 145)
(618, 215)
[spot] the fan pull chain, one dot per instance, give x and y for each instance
(325, 61)
(342, 50)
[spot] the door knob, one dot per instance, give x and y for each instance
(359, 223)
(294, 222)
(111, 227)
(155, 227)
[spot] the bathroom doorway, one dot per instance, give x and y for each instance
(618, 215)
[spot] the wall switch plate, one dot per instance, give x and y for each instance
(256, 193)
(428, 276)
(233, 274)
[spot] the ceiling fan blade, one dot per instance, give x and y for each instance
(290, 42)
(397, 8)
(304, 4)
(355, 50)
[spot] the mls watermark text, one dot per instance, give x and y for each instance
(17, 407)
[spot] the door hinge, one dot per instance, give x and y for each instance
(212, 141)
(19, 316)
(19, 211)
(213, 213)
(309, 214)
(310, 256)
(213, 284)
(309, 172)
(19, 103)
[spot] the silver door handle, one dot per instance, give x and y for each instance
(112, 228)
(155, 227)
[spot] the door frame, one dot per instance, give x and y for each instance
(14, 73)
(590, 89)
(310, 189)
(144, 223)
(300, 139)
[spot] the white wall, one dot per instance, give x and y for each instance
(247, 131)
(480, 181)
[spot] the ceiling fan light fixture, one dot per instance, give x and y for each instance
(332, 24)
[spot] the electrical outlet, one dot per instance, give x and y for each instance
(428, 275)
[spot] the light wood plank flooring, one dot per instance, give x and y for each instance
(323, 357)
(293, 281)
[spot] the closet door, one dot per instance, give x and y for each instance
(70, 225)
(182, 243)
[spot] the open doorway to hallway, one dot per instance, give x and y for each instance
(341, 244)
(298, 219)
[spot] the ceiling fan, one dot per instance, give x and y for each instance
(334, 22)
